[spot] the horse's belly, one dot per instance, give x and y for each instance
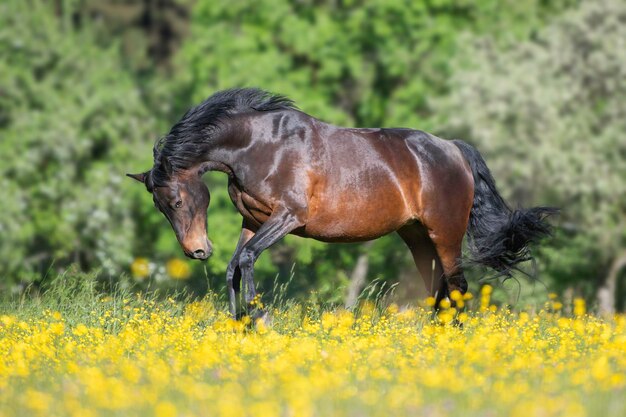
(354, 219)
(344, 232)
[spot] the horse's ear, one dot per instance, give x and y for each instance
(139, 177)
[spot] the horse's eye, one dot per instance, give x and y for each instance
(178, 204)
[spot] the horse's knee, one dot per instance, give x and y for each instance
(246, 259)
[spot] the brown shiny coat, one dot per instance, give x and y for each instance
(291, 173)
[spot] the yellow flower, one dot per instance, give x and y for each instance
(579, 307)
(140, 268)
(7, 320)
(456, 295)
(80, 330)
(165, 409)
(36, 400)
(445, 316)
(486, 289)
(393, 308)
(256, 302)
(141, 356)
(430, 301)
(57, 328)
(178, 269)
(328, 320)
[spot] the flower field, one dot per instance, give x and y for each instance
(128, 356)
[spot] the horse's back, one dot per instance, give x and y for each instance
(370, 182)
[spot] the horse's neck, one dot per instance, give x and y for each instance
(221, 156)
(215, 166)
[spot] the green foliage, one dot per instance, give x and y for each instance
(148, 33)
(354, 63)
(71, 123)
(550, 116)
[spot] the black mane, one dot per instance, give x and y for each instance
(181, 147)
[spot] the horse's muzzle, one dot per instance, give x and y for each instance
(202, 254)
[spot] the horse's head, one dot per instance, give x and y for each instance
(184, 199)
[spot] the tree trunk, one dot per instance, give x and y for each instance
(606, 294)
(358, 276)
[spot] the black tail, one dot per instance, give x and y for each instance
(498, 236)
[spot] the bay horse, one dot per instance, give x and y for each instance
(289, 172)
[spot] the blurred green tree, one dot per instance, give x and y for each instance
(71, 122)
(550, 116)
(148, 32)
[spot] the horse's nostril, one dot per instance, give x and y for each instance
(200, 254)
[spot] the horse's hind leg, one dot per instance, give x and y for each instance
(448, 241)
(425, 257)
(450, 256)
(446, 220)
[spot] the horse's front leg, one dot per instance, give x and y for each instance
(233, 272)
(279, 224)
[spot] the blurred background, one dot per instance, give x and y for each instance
(86, 87)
